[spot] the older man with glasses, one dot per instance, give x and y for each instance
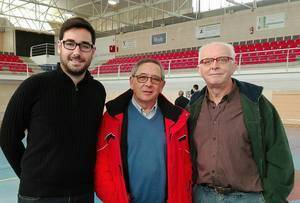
(143, 149)
(61, 111)
(240, 151)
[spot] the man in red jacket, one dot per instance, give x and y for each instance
(143, 150)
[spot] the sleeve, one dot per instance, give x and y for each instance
(279, 177)
(14, 124)
(104, 185)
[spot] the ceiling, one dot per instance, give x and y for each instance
(126, 16)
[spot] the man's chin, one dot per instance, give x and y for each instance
(76, 72)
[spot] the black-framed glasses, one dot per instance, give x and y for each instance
(219, 60)
(142, 78)
(71, 45)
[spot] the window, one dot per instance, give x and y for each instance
(209, 5)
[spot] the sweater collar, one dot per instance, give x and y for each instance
(62, 74)
(120, 104)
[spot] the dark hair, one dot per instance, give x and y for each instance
(195, 86)
(77, 22)
(148, 60)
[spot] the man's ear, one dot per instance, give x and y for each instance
(93, 52)
(131, 82)
(58, 45)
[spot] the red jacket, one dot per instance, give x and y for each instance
(111, 173)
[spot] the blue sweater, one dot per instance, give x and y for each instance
(146, 157)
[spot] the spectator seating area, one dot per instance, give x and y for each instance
(12, 63)
(247, 54)
(176, 60)
(280, 51)
(268, 52)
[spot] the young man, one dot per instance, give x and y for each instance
(239, 147)
(143, 151)
(61, 111)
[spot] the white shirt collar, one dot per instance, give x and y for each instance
(148, 115)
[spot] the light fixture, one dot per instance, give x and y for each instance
(239, 4)
(69, 14)
(113, 2)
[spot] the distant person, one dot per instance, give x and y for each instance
(61, 111)
(196, 88)
(191, 92)
(181, 101)
(143, 148)
(239, 147)
(195, 94)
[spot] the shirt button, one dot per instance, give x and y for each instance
(214, 138)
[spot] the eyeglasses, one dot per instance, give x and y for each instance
(71, 45)
(219, 60)
(144, 78)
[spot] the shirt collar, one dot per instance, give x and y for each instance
(226, 97)
(148, 115)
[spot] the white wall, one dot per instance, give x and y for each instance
(102, 48)
(45, 59)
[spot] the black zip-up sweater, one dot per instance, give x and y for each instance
(61, 120)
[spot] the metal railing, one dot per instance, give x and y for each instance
(267, 59)
(42, 49)
(260, 59)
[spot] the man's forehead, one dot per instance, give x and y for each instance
(148, 68)
(215, 50)
(73, 34)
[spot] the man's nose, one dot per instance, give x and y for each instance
(149, 81)
(77, 49)
(214, 65)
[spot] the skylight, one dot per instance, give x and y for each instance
(27, 15)
(209, 5)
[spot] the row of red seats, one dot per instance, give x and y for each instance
(184, 63)
(14, 67)
(10, 58)
(13, 63)
(166, 56)
(283, 44)
(260, 57)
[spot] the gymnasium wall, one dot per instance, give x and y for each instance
(234, 27)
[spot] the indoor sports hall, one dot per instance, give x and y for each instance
(265, 35)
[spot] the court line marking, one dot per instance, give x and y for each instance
(9, 179)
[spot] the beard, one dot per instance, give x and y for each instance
(74, 70)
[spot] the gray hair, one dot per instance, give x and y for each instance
(229, 46)
(148, 60)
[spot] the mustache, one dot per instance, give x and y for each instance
(76, 58)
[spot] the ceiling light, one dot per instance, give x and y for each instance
(68, 15)
(113, 2)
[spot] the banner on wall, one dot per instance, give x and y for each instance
(208, 31)
(129, 44)
(159, 39)
(273, 21)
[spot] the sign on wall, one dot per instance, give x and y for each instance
(270, 21)
(159, 39)
(208, 31)
(129, 44)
